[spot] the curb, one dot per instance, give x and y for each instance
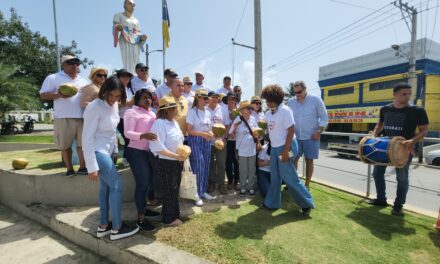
(132, 250)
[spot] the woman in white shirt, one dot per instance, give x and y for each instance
(199, 126)
(241, 130)
(169, 164)
(280, 123)
(100, 150)
(257, 112)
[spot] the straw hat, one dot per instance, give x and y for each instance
(166, 102)
(187, 79)
(255, 98)
(201, 92)
(95, 70)
(244, 104)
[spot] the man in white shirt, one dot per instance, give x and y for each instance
(237, 90)
(199, 82)
(142, 80)
(165, 87)
(68, 123)
(187, 92)
(226, 88)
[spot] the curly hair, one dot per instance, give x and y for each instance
(273, 93)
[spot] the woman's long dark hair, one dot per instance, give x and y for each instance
(112, 84)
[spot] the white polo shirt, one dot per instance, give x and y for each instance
(162, 90)
(223, 90)
(195, 87)
(200, 120)
(278, 123)
(189, 97)
(65, 107)
(137, 84)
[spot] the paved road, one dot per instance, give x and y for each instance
(24, 241)
(424, 191)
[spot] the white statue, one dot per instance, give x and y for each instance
(126, 31)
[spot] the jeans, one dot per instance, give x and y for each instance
(140, 167)
(263, 181)
(286, 171)
(402, 183)
(109, 191)
(231, 163)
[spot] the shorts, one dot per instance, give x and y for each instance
(308, 147)
(66, 130)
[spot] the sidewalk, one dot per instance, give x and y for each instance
(24, 241)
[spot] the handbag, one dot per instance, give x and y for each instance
(256, 141)
(188, 184)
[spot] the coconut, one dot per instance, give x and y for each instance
(218, 130)
(185, 150)
(218, 144)
(19, 164)
(234, 113)
(262, 124)
(67, 89)
(258, 132)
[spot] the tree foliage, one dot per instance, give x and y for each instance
(16, 92)
(31, 55)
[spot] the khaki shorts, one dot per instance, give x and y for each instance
(66, 130)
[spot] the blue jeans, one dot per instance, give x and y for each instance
(285, 171)
(263, 181)
(109, 191)
(140, 166)
(402, 183)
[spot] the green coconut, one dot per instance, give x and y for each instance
(262, 124)
(68, 89)
(19, 164)
(234, 113)
(218, 130)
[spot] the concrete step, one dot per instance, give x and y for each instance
(25, 241)
(78, 224)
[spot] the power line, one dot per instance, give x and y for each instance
(433, 27)
(350, 4)
(348, 42)
(203, 57)
(241, 19)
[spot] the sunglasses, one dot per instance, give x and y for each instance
(72, 63)
(188, 83)
(99, 75)
(257, 103)
(206, 98)
(298, 92)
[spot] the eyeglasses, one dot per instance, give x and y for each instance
(72, 63)
(188, 83)
(99, 75)
(298, 92)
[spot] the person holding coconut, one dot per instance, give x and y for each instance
(169, 164)
(220, 120)
(246, 144)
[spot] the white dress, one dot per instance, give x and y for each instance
(130, 51)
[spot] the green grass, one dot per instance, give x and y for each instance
(342, 229)
(48, 139)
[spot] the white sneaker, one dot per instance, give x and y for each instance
(125, 162)
(209, 197)
(199, 202)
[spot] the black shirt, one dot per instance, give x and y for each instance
(402, 121)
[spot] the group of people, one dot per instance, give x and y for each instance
(156, 122)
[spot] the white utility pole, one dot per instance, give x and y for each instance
(56, 35)
(258, 48)
(412, 11)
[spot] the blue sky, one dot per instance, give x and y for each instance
(201, 32)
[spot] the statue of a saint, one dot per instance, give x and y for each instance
(126, 31)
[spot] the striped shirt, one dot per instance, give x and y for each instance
(309, 116)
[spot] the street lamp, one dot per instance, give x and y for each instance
(147, 53)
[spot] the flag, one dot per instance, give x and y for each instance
(165, 24)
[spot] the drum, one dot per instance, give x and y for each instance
(383, 151)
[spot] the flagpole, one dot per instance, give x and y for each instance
(163, 41)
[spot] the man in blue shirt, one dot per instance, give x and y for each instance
(310, 120)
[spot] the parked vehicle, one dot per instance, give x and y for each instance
(433, 158)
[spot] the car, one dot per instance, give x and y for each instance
(433, 158)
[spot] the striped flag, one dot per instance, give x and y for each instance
(165, 24)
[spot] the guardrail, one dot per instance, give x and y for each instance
(369, 168)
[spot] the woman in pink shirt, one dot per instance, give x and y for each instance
(137, 123)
